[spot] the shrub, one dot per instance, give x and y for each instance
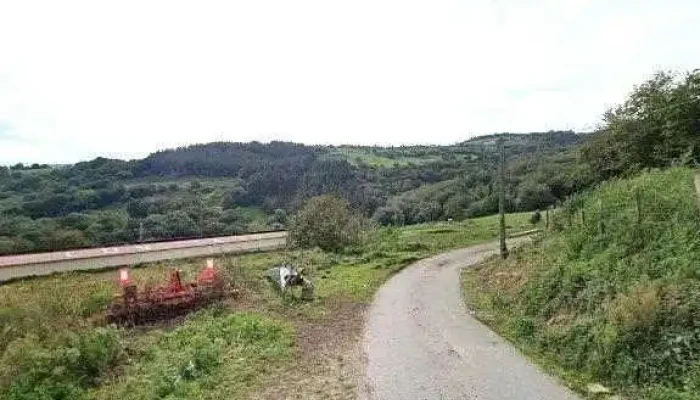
(279, 216)
(60, 370)
(327, 222)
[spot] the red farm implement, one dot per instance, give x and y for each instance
(166, 301)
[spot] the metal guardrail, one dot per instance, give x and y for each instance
(25, 265)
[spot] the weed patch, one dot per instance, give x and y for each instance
(211, 355)
(61, 369)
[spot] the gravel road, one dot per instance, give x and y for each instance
(420, 341)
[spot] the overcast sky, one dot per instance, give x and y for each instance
(122, 79)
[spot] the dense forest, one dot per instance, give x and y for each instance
(229, 188)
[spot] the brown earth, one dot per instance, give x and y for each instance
(329, 364)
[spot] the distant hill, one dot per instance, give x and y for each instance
(224, 159)
(225, 188)
(531, 142)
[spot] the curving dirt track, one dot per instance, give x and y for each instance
(420, 341)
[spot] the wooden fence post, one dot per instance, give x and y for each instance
(638, 200)
(601, 218)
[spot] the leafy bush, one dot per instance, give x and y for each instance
(327, 222)
(61, 370)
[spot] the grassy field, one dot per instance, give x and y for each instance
(612, 295)
(55, 345)
(400, 156)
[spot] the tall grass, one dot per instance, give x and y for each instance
(614, 295)
(54, 345)
(214, 355)
(60, 368)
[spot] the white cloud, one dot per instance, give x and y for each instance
(82, 79)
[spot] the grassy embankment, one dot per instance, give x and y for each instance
(612, 295)
(54, 345)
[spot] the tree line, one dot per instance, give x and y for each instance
(205, 190)
(657, 126)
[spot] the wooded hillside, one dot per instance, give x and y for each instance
(228, 188)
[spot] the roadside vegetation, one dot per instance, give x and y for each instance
(55, 345)
(611, 294)
(327, 222)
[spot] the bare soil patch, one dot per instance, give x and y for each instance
(329, 364)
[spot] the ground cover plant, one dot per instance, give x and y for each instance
(612, 294)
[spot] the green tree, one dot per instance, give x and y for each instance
(154, 227)
(389, 215)
(234, 197)
(234, 222)
(179, 224)
(110, 227)
(65, 239)
(531, 196)
(137, 208)
(656, 126)
(77, 221)
(278, 218)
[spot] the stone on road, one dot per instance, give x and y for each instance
(420, 342)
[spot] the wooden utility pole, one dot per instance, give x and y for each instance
(502, 196)
(140, 231)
